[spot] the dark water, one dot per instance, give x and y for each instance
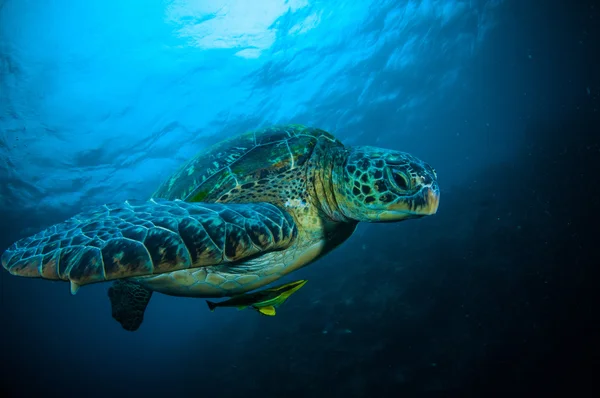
(494, 295)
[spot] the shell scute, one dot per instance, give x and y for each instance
(248, 158)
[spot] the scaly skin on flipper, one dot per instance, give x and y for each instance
(150, 238)
(128, 301)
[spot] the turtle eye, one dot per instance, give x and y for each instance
(400, 180)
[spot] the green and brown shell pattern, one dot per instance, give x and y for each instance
(225, 171)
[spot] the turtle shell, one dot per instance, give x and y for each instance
(244, 159)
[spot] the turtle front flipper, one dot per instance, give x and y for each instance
(149, 238)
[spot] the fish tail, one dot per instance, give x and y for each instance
(211, 305)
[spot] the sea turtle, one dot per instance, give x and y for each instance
(239, 215)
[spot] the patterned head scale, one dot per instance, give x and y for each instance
(380, 185)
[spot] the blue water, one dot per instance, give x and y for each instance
(100, 101)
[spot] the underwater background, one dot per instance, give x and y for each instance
(100, 101)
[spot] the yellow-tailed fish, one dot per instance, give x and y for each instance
(264, 301)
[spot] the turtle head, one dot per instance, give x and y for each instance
(380, 185)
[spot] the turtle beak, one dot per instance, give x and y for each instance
(427, 203)
(432, 202)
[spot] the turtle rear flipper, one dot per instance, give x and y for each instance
(128, 300)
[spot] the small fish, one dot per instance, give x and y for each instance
(264, 301)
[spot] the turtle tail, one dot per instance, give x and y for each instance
(129, 300)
